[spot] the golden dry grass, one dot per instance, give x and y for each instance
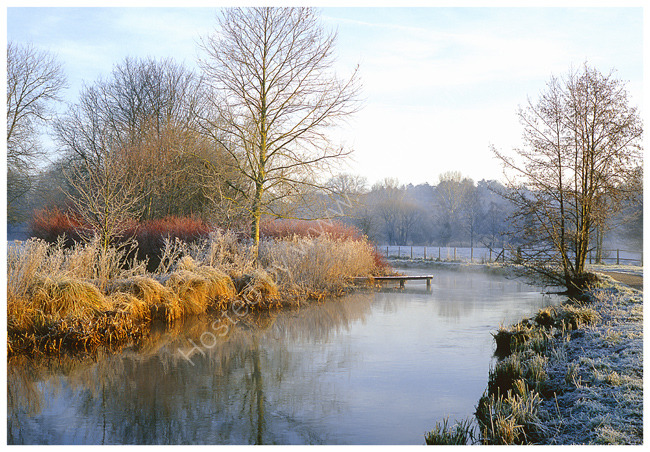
(258, 289)
(79, 297)
(63, 296)
(162, 302)
(316, 267)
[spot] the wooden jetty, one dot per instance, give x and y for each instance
(401, 279)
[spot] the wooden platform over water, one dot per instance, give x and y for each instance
(401, 279)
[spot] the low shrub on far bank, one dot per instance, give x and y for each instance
(287, 229)
(151, 234)
(51, 224)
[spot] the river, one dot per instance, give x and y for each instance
(368, 368)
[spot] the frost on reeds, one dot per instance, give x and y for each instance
(51, 287)
(460, 434)
(572, 374)
(510, 417)
(199, 287)
(317, 267)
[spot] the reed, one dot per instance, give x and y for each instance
(82, 296)
(316, 267)
(510, 417)
(460, 434)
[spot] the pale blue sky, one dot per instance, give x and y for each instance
(440, 84)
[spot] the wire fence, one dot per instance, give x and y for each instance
(479, 254)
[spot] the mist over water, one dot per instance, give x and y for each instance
(370, 368)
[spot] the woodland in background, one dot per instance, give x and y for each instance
(154, 139)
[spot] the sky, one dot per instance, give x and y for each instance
(440, 84)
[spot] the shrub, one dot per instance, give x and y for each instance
(50, 224)
(151, 235)
(281, 229)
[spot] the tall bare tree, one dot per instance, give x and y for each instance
(450, 198)
(34, 81)
(582, 143)
(274, 96)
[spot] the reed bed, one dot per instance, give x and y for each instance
(79, 298)
(317, 267)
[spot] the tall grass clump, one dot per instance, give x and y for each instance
(459, 434)
(319, 266)
(510, 417)
(199, 287)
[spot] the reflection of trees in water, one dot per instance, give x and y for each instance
(246, 389)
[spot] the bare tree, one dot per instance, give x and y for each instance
(34, 82)
(472, 212)
(274, 97)
(106, 196)
(450, 198)
(582, 143)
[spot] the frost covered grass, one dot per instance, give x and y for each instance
(572, 374)
(82, 298)
(460, 434)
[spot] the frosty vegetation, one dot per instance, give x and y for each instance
(572, 374)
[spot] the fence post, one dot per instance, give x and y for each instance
(471, 254)
(454, 253)
(386, 251)
(425, 252)
(589, 257)
(399, 251)
(411, 252)
(618, 260)
(438, 253)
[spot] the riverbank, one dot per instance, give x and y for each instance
(572, 374)
(596, 372)
(83, 298)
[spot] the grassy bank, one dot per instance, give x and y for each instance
(572, 374)
(79, 298)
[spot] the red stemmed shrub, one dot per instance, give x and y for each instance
(280, 229)
(50, 224)
(381, 265)
(151, 234)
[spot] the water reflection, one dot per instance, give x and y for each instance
(366, 369)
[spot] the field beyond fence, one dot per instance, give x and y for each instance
(482, 255)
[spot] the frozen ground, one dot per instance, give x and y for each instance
(597, 374)
(596, 371)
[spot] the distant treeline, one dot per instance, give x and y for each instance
(455, 212)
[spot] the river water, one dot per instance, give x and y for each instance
(369, 368)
